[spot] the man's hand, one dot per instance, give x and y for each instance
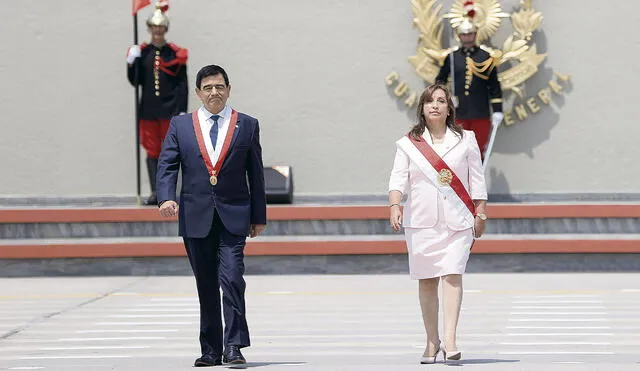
(169, 208)
(256, 229)
(134, 52)
(496, 118)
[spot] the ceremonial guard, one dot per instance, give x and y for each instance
(160, 68)
(476, 89)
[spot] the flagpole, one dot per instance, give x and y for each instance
(136, 71)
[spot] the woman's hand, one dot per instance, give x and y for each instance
(395, 217)
(478, 227)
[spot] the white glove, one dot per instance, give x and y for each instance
(496, 118)
(134, 52)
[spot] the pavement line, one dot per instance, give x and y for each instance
(558, 308)
(189, 299)
(299, 354)
(625, 319)
(559, 327)
(137, 331)
(65, 296)
(558, 313)
(564, 334)
(115, 338)
(556, 343)
(558, 319)
(154, 315)
(75, 357)
(163, 305)
(97, 347)
(557, 296)
(141, 323)
(19, 317)
(193, 295)
(335, 336)
(558, 302)
(293, 364)
(555, 352)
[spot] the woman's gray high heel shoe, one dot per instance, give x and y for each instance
(430, 360)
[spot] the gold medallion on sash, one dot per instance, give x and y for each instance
(445, 176)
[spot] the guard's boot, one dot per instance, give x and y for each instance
(152, 168)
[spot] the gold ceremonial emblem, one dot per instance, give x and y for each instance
(517, 59)
(213, 180)
(445, 176)
(518, 49)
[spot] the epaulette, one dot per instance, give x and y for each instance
(174, 47)
(487, 49)
(182, 54)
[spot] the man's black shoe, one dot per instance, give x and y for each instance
(207, 360)
(233, 356)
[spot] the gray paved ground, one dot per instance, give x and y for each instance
(510, 321)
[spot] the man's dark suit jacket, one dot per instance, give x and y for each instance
(238, 197)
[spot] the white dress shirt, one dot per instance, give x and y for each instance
(206, 123)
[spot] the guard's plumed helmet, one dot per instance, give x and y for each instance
(159, 16)
(467, 25)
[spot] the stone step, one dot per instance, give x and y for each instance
(313, 245)
(113, 222)
(315, 212)
(313, 227)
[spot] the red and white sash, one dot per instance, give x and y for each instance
(214, 170)
(440, 174)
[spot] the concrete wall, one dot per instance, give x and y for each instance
(313, 73)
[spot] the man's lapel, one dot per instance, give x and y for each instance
(235, 132)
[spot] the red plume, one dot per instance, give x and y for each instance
(164, 6)
(469, 9)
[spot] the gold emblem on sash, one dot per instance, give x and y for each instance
(213, 179)
(445, 176)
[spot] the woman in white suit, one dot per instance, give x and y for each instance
(438, 166)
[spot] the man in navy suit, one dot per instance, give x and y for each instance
(222, 201)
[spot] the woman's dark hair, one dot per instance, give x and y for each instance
(211, 70)
(427, 96)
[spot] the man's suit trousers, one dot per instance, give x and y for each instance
(217, 262)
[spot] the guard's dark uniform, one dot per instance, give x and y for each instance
(162, 73)
(477, 89)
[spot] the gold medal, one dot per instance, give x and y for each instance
(445, 176)
(211, 168)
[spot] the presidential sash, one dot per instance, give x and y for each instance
(440, 174)
(214, 171)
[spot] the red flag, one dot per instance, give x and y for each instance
(139, 4)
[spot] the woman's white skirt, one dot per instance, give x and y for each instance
(437, 251)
